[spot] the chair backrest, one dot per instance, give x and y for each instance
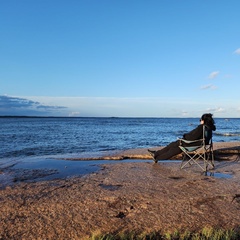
(207, 133)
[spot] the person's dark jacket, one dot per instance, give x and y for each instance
(197, 133)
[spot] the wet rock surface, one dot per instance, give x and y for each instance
(140, 197)
(125, 196)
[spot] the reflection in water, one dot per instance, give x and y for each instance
(218, 174)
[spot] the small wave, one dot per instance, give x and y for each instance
(227, 134)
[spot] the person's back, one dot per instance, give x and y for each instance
(207, 135)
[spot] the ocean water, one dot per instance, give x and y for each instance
(78, 137)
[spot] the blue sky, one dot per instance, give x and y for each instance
(120, 58)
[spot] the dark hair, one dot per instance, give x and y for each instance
(208, 121)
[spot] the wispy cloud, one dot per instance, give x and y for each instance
(237, 51)
(74, 114)
(216, 110)
(213, 75)
(209, 86)
(185, 113)
(22, 106)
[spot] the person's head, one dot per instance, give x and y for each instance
(207, 119)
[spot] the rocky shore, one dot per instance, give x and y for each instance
(135, 196)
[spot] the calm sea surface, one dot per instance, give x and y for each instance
(77, 137)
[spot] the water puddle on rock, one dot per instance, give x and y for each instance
(218, 175)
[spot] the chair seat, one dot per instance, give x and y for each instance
(190, 149)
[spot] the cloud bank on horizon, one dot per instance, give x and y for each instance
(16, 106)
(108, 107)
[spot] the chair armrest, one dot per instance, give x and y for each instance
(188, 141)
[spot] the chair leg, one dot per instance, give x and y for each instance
(183, 159)
(193, 160)
(210, 158)
(213, 163)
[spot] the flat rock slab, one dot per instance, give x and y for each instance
(139, 197)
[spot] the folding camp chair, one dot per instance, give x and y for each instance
(199, 152)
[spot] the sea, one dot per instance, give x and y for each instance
(22, 137)
(28, 144)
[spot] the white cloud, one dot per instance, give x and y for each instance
(216, 110)
(74, 114)
(209, 86)
(185, 113)
(213, 75)
(237, 51)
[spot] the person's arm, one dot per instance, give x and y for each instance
(195, 134)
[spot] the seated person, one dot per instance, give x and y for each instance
(173, 149)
